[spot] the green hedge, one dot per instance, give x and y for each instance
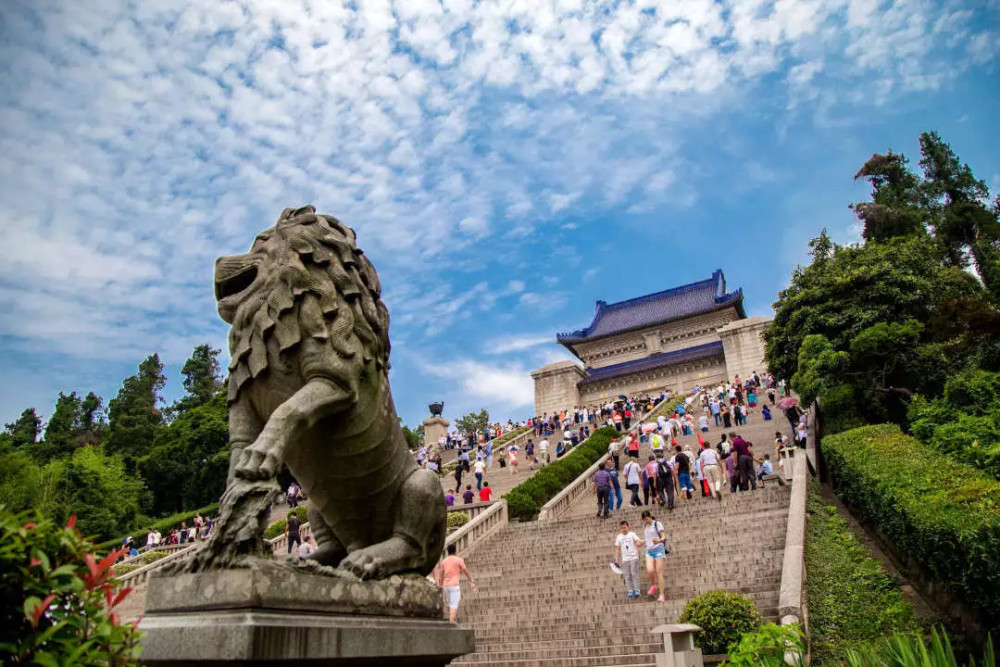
(164, 524)
(723, 617)
(526, 499)
(278, 527)
(944, 515)
(852, 601)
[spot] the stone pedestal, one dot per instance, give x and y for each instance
(435, 428)
(272, 615)
(744, 347)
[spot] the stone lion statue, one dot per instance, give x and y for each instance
(309, 389)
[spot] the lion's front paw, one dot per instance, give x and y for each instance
(259, 460)
(380, 560)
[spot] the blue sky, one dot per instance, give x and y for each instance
(504, 164)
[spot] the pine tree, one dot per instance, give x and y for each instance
(26, 429)
(202, 378)
(64, 426)
(134, 414)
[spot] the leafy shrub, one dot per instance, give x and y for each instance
(278, 527)
(153, 556)
(56, 599)
(942, 514)
(457, 520)
(911, 650)
(526, 499)
(121, 569)
(723, 617)
(767, 647)
(851, 599)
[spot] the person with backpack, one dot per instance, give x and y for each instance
(657, 549)
(665, 482)
(602, 487)
(614, 449)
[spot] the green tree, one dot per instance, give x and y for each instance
(895, 206)
(105, 498)
(26, 429)
(202, 378)
(64, 426)
(958, 207)
(188, 463)
(473, 421)
(134, 414)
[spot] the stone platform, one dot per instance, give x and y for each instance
(271, 615)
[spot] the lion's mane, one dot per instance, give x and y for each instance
(316, 255)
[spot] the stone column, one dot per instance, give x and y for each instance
(435, 427)
(744, 347)
(555, 387)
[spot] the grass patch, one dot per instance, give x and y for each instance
(852, 601)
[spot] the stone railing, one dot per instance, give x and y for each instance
(563, 500)
(484, 525)
(165, 547)
(472, 510)
(791, 595)
(279, 544)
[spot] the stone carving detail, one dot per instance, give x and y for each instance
(309, 389)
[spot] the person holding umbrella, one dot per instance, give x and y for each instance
(790, 406)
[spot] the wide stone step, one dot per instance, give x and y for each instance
(633, 660)
(534, 652)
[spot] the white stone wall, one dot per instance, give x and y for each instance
(744, 346)
(434, 428)
(555, 387)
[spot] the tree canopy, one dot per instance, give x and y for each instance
(474, 421)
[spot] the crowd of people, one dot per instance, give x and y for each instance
(200, 529)
(668, 472)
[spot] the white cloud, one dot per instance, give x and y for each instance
(515, 286)
(517, 342)
(145, 139)
(508, 385)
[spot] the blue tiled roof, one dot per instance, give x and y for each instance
(658, 308)
(655, 361)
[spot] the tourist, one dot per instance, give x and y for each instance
(627, 554)
(449, 498)
(801, 433)
(616, 419)
(488, 451)
(780, 448)
(682, 464)
(764, 468)
(543, 452)
(292, 524)
(529, 454)
(766, 413)
(513, 459)
(150, 540)
(727, 417)
(633, 446)
(469, 496)
(650, 486)
(709, 461)
(502, 458)
(306, 549)
(448, 575)
(656, 442)
(656, 553)
(614, 449)
(458, 474)
(633, 479)
(485, 493)
(616, 498)
(751, 400)
(664, 482)
(560, 449)
(732, 471)
(627, 419)
(183, 532)
(703, 423)
(480, 467)
(716, 409)
(744, 462)
(602, 488)
(723, 446)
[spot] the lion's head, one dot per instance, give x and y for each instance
(259, 294)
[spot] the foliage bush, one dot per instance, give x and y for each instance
(153, 556)
(851, 599)
(278, 527)
(56, 600)
(723, 618)
(767, 647)
(526, 499)
(456, 520)
(121, 569)
(941, 513)
(965, 422)
(913, 650)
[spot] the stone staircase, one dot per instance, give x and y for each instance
(547, 597)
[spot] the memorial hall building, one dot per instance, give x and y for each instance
(697, 334)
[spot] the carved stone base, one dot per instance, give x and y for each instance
(269, 615)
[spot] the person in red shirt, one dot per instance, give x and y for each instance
(485, 493)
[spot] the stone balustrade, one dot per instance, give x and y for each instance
(482, 526)
(472, 510)
(279, 544)
(163, 547)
